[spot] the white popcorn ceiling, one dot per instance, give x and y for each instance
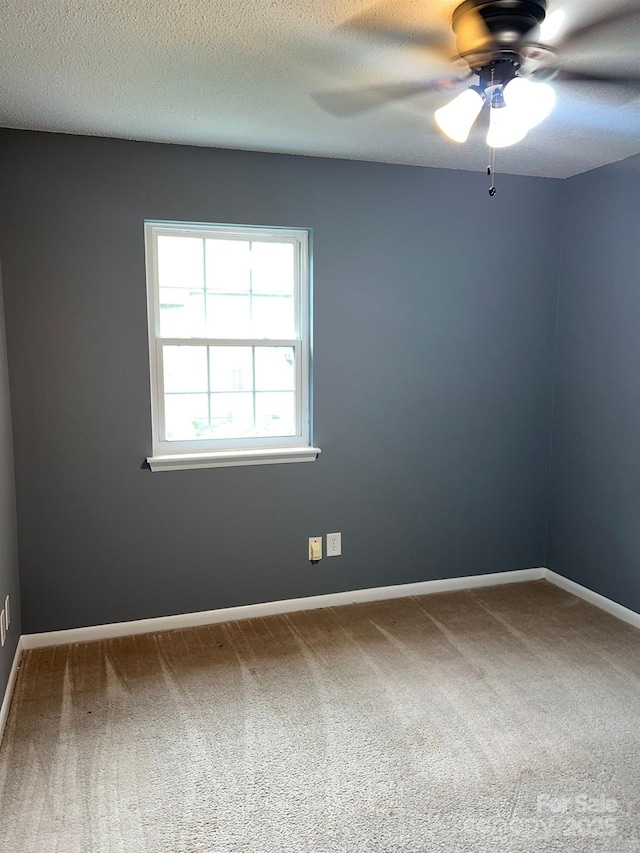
(238, 74)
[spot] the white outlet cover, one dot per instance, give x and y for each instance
(7, 613)
(3, 633)
(334, 544)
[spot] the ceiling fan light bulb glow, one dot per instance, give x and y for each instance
(534, 100)
(506, 127)
(456, 118)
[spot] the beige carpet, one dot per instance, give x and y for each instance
(503, 719)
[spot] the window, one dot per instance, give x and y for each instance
(229, 345)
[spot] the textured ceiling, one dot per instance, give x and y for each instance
(239, 74)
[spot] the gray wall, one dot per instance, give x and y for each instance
(8, 533)
(594, 527)
(434, 322)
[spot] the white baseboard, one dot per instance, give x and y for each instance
(271, 608)
(595, 598)
(336, 599)
(11, 683)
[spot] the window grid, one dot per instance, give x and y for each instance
(252, 389)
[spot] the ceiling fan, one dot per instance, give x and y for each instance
(508, 66)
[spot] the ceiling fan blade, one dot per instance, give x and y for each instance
(472, 31)
(385, 21)
(354, 101)
(612, 17)
(631, 79)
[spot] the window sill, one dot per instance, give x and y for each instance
(230, 458)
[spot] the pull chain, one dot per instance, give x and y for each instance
(491, 168)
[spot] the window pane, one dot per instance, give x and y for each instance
(231, 368)
(228, 265)
(185, 369)
(229, 316)
(272, 267)
(180, 262)
(275, 368)
(186, 416)
(181, 312)
(273, 316)
(275, 414)
(231, 415)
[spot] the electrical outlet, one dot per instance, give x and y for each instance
(315, 548)
(7, 617)
(3, 630)
(334, 544)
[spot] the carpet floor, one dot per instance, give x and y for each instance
(499, 719)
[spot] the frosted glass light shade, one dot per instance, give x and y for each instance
(506, 127)
(457, 117)
(534, 100)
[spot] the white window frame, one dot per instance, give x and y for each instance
(210, 453)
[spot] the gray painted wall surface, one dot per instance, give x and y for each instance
(594, 529)
(8, 532)
(434, 311)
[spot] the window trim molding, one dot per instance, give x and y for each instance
(232, 458)
(176, 455)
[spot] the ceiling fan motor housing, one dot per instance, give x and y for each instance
(496, 30)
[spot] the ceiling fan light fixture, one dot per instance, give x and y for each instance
(456, 118)
(534, 101)
(507, 126)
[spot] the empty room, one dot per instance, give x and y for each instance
(320, 427)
